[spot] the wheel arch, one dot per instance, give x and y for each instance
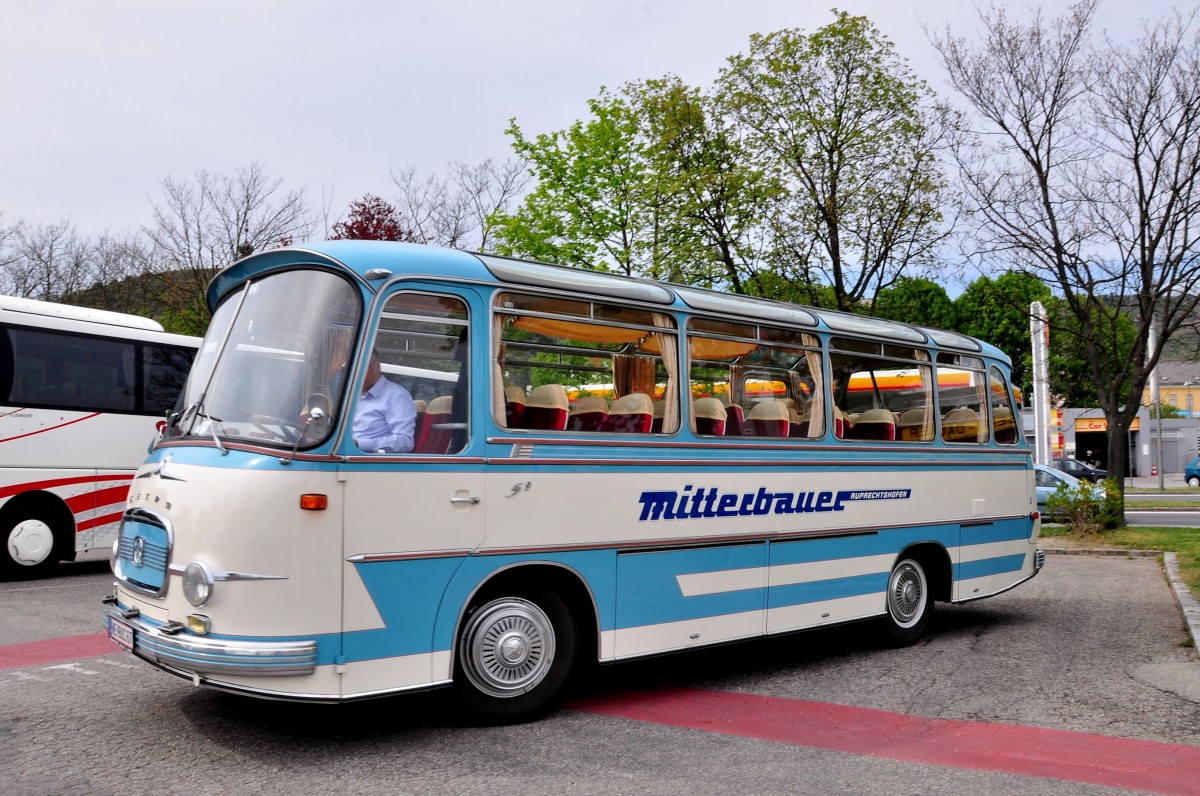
(935, 560)
(516, 578)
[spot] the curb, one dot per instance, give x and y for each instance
(1188, 605)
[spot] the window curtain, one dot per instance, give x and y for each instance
(632, 373)
(927, 388)
(498, 413)
(737, 385)
(816, 404)
(981, 388)
(670, 358)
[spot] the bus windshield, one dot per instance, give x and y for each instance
(276, 350)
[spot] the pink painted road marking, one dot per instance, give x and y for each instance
(1029, 751)
(55, 650)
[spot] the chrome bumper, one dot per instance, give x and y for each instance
(172, 647)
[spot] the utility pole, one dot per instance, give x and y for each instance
(1039, 335)
(1155, 402)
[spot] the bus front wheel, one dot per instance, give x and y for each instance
(515, 654)
(29, 543)
(909, 603)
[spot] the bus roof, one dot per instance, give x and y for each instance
(69, 312)
(376, 261)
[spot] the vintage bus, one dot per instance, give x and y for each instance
(80, 393)
(736, 468)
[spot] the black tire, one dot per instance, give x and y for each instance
(1193, 481)
(909, 602)
(32, 543)
(514, 655)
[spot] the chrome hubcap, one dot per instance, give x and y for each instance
(906, 594)
(508, 647)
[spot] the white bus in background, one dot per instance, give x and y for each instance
(81, 391)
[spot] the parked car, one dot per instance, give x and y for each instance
(1084, 472)
(1046, 481)
(1191, 473)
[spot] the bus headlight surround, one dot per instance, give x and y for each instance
(197, 583)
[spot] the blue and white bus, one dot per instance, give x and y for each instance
(604, 468)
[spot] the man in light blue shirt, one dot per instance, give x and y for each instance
(386, 417)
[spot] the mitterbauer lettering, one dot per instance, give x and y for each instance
(711, 502)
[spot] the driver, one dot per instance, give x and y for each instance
(386, 416)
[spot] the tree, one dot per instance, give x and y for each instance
(1086, 178)
(204, 224)
(842, 120)
(371, 218)
(593, 205)
(47, 262)
(457, 211)
(916, 300)
(997, 310)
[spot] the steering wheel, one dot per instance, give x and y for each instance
(291, 429)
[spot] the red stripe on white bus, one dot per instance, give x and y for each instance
(52, 428)
(49, 484)
(96, 522)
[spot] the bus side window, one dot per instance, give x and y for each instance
(583, 367)
(422, 345)
(884, 393)
(962, 396)
(1004, 424)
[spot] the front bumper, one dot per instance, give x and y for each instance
(174, 648)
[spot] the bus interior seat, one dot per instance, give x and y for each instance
(588, 414)
(1004, 425)
(436, 440)
(769, 419)
(735, 421)
(840, 423)
(874, 424)
(960, 424)
(709, 416)
(514, 406)
(547, 408)
(911, 426)
(656, 423)
(631, 414)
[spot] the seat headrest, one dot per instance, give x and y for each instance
(441, 405)
(636, 403)
(769, 410)
(420, 405)
(589, 403)
(913, 417)
(876, 416)
(514, 394)
(549, 396)
(710, 408)
(960, 415)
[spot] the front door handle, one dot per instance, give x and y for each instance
(471, 501)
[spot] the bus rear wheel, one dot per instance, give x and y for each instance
(30, 547)
(909, 603)
(515, 654)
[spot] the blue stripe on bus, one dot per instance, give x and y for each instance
(989, 566)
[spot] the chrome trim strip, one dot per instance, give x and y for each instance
(178, 570)
(661, 543)
(200, 654)
(840, 464)
(615, 440)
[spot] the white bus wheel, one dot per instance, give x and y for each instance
(909, 603)
(515, 654)
(29, 542)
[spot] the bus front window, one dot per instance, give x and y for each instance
(275, 351)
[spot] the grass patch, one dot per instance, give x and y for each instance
(1184, 542)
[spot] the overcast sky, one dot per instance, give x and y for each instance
(102, 100)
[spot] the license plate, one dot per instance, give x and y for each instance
(120, 633)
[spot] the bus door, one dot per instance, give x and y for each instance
(413, 506)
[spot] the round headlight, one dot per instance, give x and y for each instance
(197, 583)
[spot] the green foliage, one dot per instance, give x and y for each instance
(997, 310)
(847, 127)
(917, 300)
(1086, 507)
(807, 174)
(1165, 410)
(1071, 375)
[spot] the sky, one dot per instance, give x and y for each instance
(100, 101)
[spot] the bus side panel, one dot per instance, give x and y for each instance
(838, 579)
(993, 557)
(675, 599)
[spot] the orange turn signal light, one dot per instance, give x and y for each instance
(314, 502)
